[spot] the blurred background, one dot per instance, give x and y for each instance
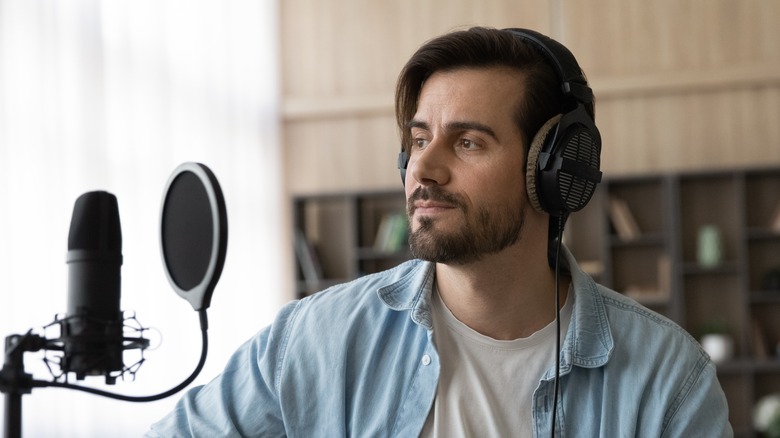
(114, 95)
(289, 99)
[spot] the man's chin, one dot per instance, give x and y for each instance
(437, 248)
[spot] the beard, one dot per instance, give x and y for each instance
(487, 231)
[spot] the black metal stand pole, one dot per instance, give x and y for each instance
(13, 415)
(14, 381)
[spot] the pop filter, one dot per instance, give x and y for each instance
(193, 233)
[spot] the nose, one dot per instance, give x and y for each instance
(430, 165)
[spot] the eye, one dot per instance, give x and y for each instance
(469, 145)
(419, 143)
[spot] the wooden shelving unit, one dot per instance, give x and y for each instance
(660, 264)
(341, 232)
(655, 260)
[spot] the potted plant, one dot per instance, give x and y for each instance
(717, 341)
(766, 416)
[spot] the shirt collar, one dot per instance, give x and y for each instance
(588, 342)
(412, 291)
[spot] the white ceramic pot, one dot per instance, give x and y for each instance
(719, 347)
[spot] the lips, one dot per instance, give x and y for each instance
(431, 200)
(429, 207)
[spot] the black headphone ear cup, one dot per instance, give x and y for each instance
(402, 162)
(532, 163)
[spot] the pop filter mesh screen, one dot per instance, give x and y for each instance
(187, 231)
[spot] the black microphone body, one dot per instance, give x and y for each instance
(92, 331)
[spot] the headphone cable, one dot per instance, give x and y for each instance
(559, 238)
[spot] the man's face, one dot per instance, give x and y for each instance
(465, 183)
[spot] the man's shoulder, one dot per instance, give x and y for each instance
(654, 370)
(636, 325)
(340, 320)
(362, 287)
(355, 299)
(622, 307)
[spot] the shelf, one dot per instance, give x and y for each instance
(764, 297)
(645, 239)
(651, 299)
(370, 253)
(666, 218)
(351, 234)
(724, 268)
(762, 234)
(765, 366)
(657, 264)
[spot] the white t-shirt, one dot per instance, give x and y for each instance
(486, 385)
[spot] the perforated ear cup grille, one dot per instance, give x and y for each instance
(575, 189)
(533, 160)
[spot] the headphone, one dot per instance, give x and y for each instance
(564, 156)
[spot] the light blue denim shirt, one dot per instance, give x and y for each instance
(358, 360)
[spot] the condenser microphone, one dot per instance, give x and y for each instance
(193, 237)
(92, 330)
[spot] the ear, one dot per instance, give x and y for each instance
(537, 144)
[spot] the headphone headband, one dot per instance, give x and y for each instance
(573, 82)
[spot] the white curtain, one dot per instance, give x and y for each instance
(113, 95)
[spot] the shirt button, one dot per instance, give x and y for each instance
(426, 360)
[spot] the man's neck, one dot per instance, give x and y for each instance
(503, 296)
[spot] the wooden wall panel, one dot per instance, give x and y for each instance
(340, 61)
(618, 37)
(341, 154)
(680, 84)
(690, 131)
(346, 47)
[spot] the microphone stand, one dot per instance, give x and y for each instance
(14, 381)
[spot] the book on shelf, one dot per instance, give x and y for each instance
(664, 265)
(774, 223)
(622, 219)
(392, 233)
(307, 258)
(646, 294)
(654, 293)
(594, 268)
(760, 349)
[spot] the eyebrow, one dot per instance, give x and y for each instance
(456, 126)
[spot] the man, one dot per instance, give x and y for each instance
(463, 340)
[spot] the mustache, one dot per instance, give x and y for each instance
(433, 193)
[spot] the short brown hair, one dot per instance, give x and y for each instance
(483, 47)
